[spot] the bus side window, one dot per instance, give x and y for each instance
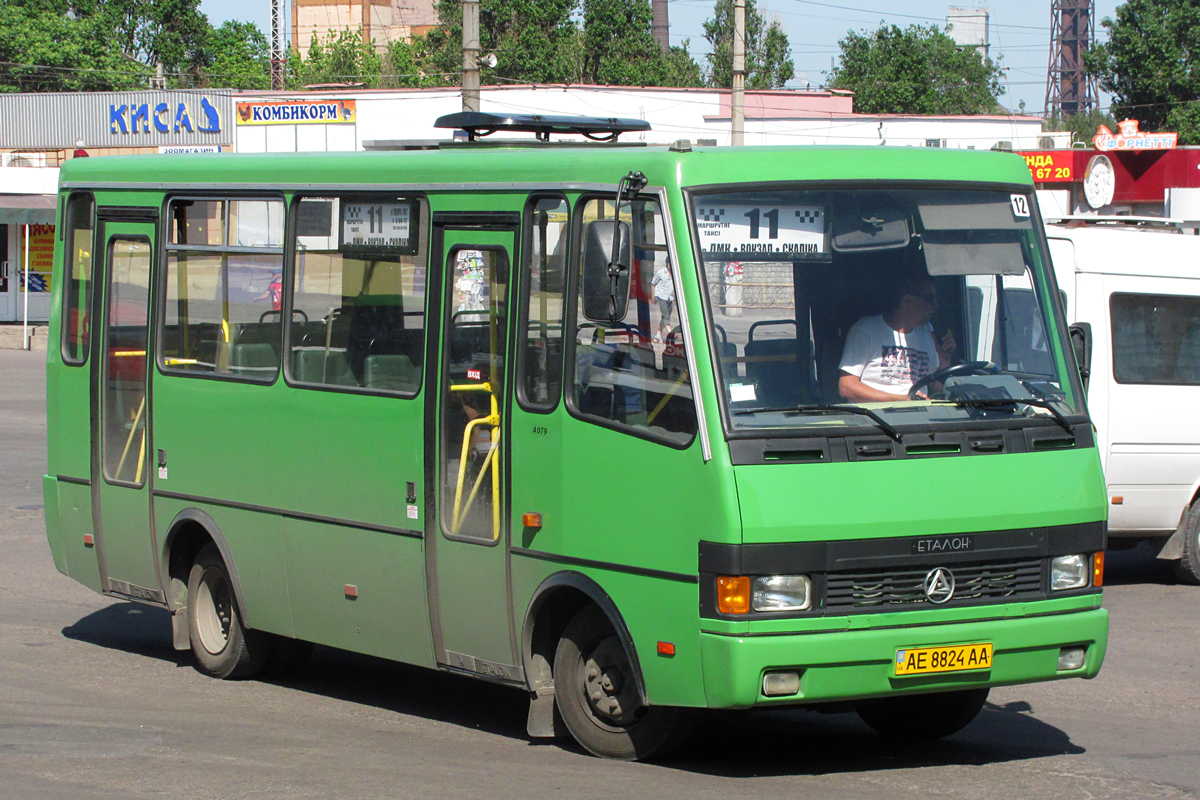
(633, 372)
(77, 268)
(224, 284)
(540, 357)
(357, 317)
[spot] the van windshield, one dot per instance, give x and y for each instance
(888, 307)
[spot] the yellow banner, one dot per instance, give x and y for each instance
(41, 257)
(296, 112)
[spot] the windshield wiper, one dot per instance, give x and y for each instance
(825, 408)
(996, 402)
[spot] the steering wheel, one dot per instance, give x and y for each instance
(969, 368)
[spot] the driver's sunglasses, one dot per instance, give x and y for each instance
(929, 297)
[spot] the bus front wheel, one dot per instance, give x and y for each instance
(223, 648)
(923, 716)
(1187, 569)
(597, 696)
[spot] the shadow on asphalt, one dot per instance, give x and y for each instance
(1138, 565)
(729, 744)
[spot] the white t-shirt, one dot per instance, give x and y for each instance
(886, 359)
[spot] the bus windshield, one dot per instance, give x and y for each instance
(889, 307)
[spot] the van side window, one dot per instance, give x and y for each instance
(224, 283)
(80, 242)
(633, 373)
(1156, 339)
(357, 317)
(540, 359)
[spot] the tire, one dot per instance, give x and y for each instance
(1187, 568)
(923, 716)
(596, 694)
(223, 648)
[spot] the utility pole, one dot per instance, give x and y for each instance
(737, 109)
(470, 78)
(366, 23)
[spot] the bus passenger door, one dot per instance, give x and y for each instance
(121, 461)
(467, 538)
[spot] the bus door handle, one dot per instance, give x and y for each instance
(4, 270)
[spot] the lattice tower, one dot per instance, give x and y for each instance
(1069, 90)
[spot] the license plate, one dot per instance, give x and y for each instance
(957, 658)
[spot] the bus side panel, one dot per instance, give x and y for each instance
(74, 522)
(349, 457)
(53, 527)
(643, 505)
(359, 590)
(256, 544)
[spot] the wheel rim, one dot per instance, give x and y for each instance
(609, 692)
(214, 611)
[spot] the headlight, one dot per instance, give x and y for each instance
(781, 593)
(1068, 572)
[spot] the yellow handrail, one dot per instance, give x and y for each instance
(129, 441)
(490, 462)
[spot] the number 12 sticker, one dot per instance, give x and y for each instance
(1020, 205)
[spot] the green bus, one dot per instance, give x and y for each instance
(581, 419)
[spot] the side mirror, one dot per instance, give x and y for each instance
(605, 272)
(1081, 344)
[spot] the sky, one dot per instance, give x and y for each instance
(1020, 32)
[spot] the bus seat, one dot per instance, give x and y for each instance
(318, 366)
(777, 375)
(259, 359)
(392, 372)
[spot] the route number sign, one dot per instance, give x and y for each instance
(762, 233)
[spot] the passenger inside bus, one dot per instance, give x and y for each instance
(885, 354)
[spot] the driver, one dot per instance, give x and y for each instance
(887, 353)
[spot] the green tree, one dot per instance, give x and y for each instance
(769, 62)
(341, 57)
(619, 48)
(1151, 65)
(46, 47)
(407, 64)
(918, 70)
(561, 41)
(534, 41)
(173, 33)
(239, 57)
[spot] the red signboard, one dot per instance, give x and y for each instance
(1052, 166)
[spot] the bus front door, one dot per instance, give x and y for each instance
(121, 460)
(468, 560)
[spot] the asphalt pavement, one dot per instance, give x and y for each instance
(94, 703)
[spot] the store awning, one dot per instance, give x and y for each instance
(28, 209)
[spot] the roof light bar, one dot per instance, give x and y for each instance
(601, 129)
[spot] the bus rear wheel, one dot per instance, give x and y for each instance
(597, 696)
(223, 648)
(923, 716)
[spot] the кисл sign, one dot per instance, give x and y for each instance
(132, 118)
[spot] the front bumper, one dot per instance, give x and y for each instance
(857, 664)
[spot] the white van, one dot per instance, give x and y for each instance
(1132, 291)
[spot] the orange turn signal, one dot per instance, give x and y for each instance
(531, 520)
(1098, 569)
(733, 595)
